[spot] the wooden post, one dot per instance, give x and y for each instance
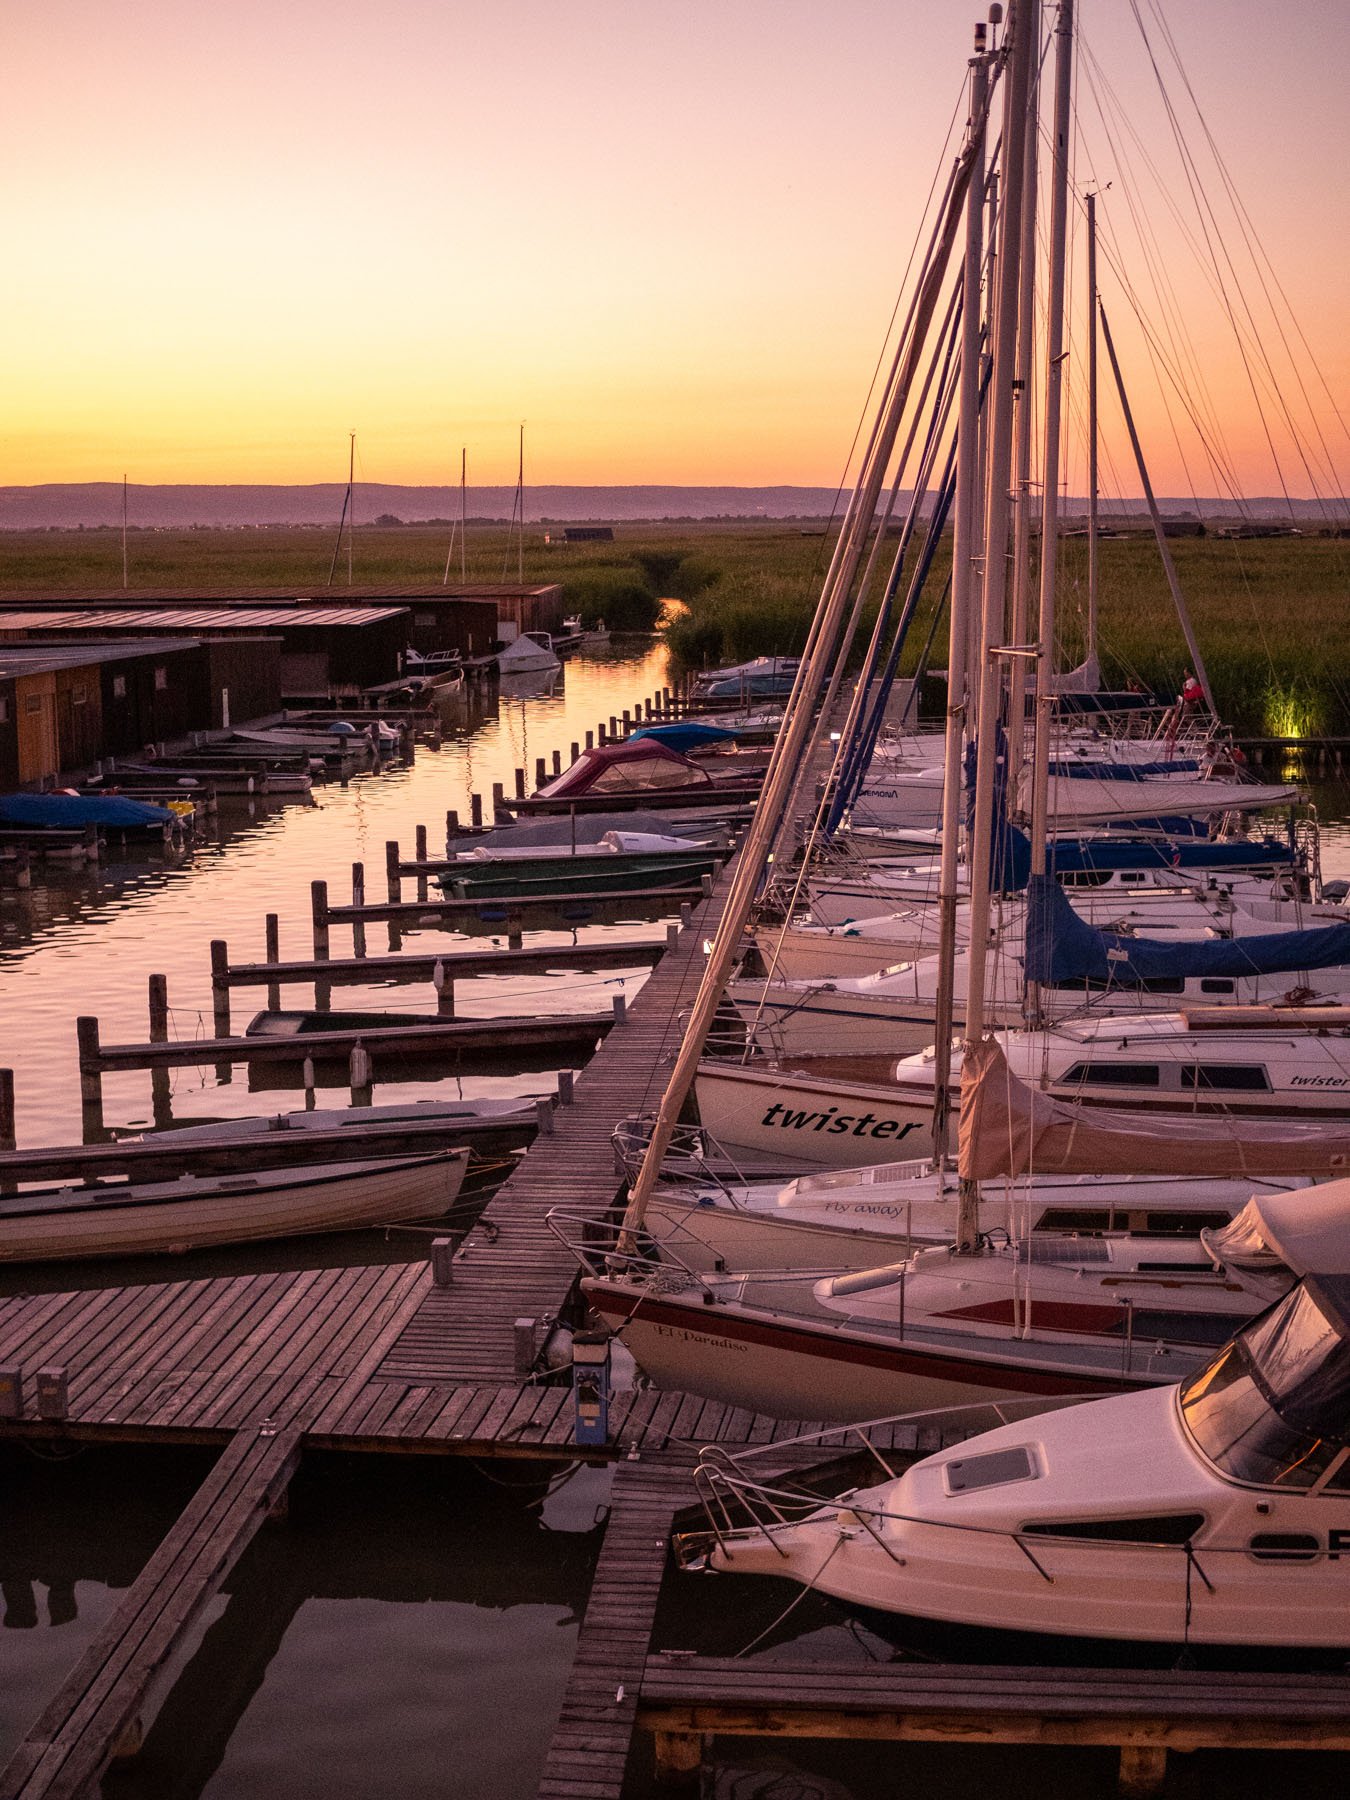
(520, 784)
(272, 954)
(557, 762)
(308, 1079)
(445, 991)
(672, 935)
(627, 723)
(161, 1093)
(620, 1009)
(500, 812)
(359, 899)
(476, 811)
(706, 882)
(522, 1332)
(442, 1262)
(514, 936)
(318, 902)
(543, 1117)
(1143, 1769)
(590, 740)
(613, 727)
(678, 1756)
(392, 878)
(7, 1142)
(574, 751)
(220, 994)
(686, 915)
(451, 831)
(540, 772)
(420, 848)
(601, 736)
(360, 1074)
(91, 1078)
(565, 1086)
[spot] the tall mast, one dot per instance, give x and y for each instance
(1093, 655)
(351, 503)
(1019, 611)
(450, 547)
(464, 513)
(1160, 536)
(520, 498)
(1019, 48)
(1054, 398)
(124, 530)
(962, 602)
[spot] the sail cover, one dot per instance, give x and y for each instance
(72, 812)
(1008, 1128)
(685, 734)
(1062, 947)
(1087, 801)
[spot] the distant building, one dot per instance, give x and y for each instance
(588, 534)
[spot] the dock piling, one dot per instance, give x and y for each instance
(686, 915)
(443, 1262)
(272, 955)
(220, 996)
(420, 851)
(557, 762)
(91, 1078)
(522, 1338)
(565, 1086)
(540, 772)
(573, 751)
(451, 831)
(23, 867)
(445, 992)
(520, 784)
(620, 1008)
(391, 862)
(590, 740)
(476, 810)
(543, 1114)
(8, 1141)
(360, 1074)
(672, 935)
(359, 898)
(11, 1392)
(500, 814)
(318, 901)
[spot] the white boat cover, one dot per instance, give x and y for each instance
(1307, 1231)
(1008, 1128)
(1084, 800)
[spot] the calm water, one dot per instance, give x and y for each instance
(409, 1631)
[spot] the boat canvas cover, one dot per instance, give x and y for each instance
(1062, 947)
(687, 734)
(1112, 771)
(72, 812)
(1094, 801)
(1307, 1230)
(1008, 1128)
(637, 764)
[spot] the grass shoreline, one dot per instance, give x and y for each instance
(1272, 615)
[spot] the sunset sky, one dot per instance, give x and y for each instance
(668, 237)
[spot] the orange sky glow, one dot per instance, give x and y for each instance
(668, 238)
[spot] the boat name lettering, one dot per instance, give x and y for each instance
(1321, 1081)
(697, 1337)
(859, 1125)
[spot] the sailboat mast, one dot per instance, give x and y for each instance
(520, 498)
(1054, 399)
(351, 499)
(464, 513)
(1020, 50)
(1020, 609)
(962, 602)
(1092, 658)
(1160, 536)
(124, 531)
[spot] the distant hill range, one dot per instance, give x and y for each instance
(95, 504)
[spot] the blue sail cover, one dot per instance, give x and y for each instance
(686, 735)
(72, 812)
(1061, 947)
(1114, 771)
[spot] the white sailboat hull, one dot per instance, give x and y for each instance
(815, 1121)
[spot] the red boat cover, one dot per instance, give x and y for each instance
(632, 766)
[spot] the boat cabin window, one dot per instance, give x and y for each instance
(1171, 1528)
(1285, 1546)
(1273, 1409)
(1217, 984)
(1120, 1074)
(1249, 1078)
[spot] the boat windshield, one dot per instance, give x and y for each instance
(1274, 1409)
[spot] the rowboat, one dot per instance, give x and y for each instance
(148, 1218)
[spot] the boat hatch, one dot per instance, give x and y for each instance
(967, 1474)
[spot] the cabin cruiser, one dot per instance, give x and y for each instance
(1215, 1510)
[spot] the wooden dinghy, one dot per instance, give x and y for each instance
(147, 1218)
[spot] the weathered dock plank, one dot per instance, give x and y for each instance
(77, 1734)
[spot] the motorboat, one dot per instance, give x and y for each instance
(529, 654)
(1214, 1510)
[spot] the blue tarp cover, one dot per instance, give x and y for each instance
(1061, 947)
(72, 812)
(685, 735)
(1114, 771)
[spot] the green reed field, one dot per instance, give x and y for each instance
(1273, 615)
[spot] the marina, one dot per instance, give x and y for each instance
(707, 1156)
